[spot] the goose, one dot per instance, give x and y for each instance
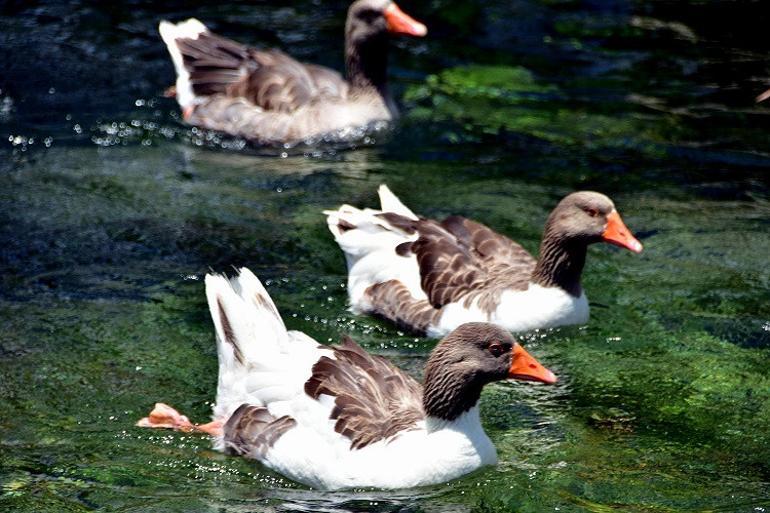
(430, 277)
(269, 97)
(336, 417)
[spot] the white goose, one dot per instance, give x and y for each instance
(338, 417)
(431, 277)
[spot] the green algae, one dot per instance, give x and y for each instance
(495, 98)
(663, 400)
(655, 408)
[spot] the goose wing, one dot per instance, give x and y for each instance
(373, 399)
(269, 79)
(459, 258)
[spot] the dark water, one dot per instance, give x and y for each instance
(112, 211)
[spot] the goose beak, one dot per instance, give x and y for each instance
(524, 367)
(618, 233)
(398, 22)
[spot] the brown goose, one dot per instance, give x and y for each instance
(268, 97)
(431, 276)
(338, 417)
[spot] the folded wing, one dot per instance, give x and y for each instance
(208, 64)
(373, 399)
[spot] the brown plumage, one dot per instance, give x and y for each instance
(252, 430)
(461, 364)
(268, 79)
(394, 302)
(374, 400)
(429, 276)
(462, 258)
(267, 96)
(459, 259)
(229, 336)
(338, 417)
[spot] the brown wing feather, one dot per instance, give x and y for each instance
(489, 245)
(328, 82)
(374, 400)
(463, 259)
(393, 301)
(269, 79)
(448, 269)
(214, 62)
(277, 82)
(252, 430)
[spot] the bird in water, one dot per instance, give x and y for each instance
(267, 96)
(334, 417)
(430, 277)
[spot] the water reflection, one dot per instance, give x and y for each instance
(110, 204)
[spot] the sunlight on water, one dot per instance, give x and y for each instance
(113, 210)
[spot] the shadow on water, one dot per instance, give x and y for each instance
(113, 211)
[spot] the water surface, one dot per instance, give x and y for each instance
(113, 211)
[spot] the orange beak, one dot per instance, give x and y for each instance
(399, 22)
(525, 368)
(618, 233)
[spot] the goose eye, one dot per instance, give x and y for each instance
(496, 349)
(592, 212)
(369, 15)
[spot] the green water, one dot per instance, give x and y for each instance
(107, 229)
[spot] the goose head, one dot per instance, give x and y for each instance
(587, 217)
(473, 355)
(371, 18)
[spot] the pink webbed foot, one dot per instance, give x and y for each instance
(164, 416)
(213, 428)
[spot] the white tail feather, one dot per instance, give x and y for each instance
(391, 203)
(359, 232)
(259, 361)
(248, 326)
(369, 243)
(170, 32)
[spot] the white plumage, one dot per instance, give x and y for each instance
(270, 368)
(370, 251)
(537, 307)
(189, 29)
